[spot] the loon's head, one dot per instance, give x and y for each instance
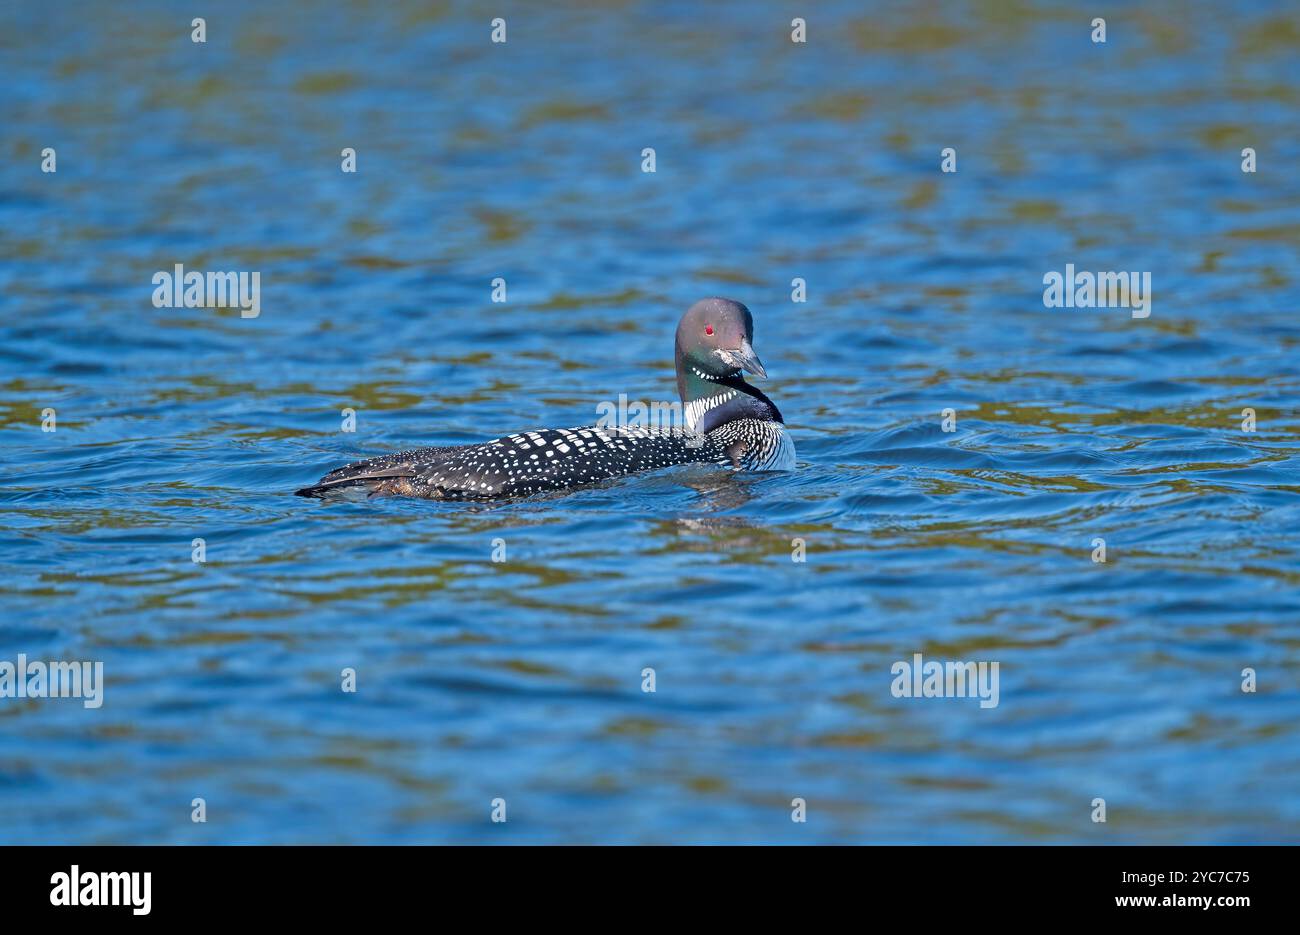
(714, 344)
(714, 340)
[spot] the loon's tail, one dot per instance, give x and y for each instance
(351, 487)
(372, 477)
(340, 490)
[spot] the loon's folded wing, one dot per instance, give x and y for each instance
(518, 465)
(556, 459)
(367, 476)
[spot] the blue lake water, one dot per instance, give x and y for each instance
(522, 679)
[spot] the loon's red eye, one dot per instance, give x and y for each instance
(708, 329)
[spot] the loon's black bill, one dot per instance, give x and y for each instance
(744, 358)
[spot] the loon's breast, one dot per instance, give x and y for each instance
(756, 444)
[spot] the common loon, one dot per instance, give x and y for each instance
(728, 422)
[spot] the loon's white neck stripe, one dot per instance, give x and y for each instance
(696, 408)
